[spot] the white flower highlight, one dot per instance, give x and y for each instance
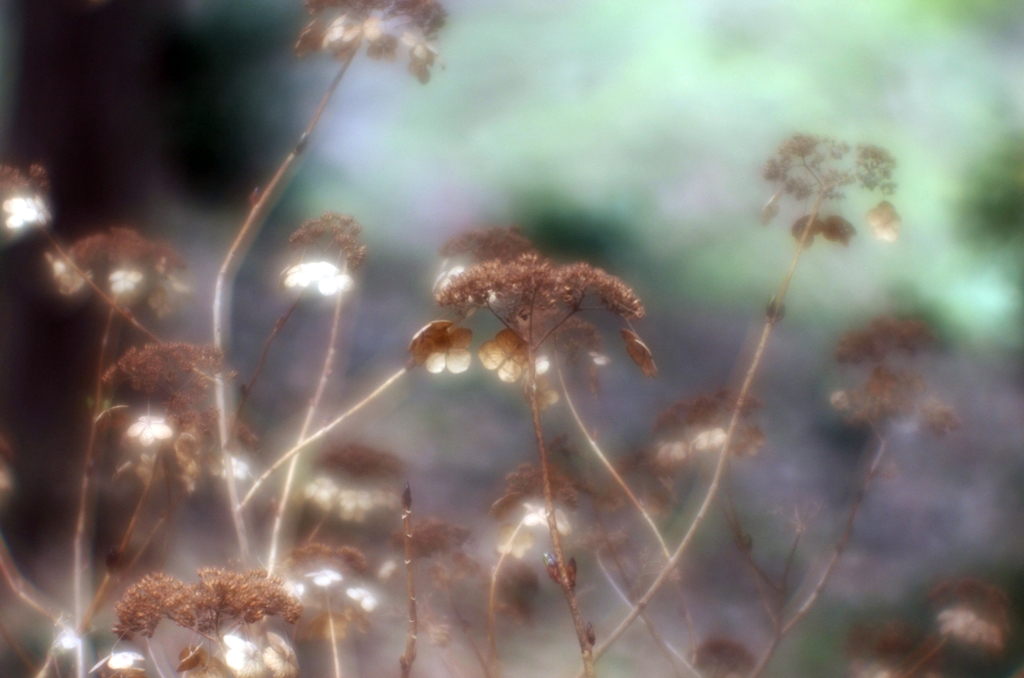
(599, 359)
(965, 625)
(67, 640)
(119, 661)
(329, 279)
(280, 657)
(149, 430)
(324, 578)
(24, 212)
(243, 658)
(124, 282)
(68, 280)
(366, 600)
(536, 515)
(712, 439)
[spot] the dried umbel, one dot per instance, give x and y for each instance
(882, 338)
(362, 462)
(502, 243)
(331, 236)
(23, 198)
(341, 27)
(972, 613)
(130, 267)
(527, 482)
(699, 425)
(807, 165)
(431, 537)
(723, 658)
(317, 555)
(220, 597)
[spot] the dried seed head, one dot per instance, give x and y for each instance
(723, 658)
(431, 537)
(362, 462)
(883, 337)
(331, 235)
(313, 555)
(486, 244)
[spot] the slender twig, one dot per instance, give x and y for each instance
(225, 277)
(659, 641)
(21, 586)
(406, 660)
(611, 467)
(78, 560)
(107, 299)
(327, 428)
(716, 479)
(22, 656)
(314, 403)
(249, 385)
(334, 641)
(492, 601)
(567, 584)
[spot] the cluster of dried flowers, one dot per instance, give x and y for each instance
(23, 197)
(332, 241)
(341, 27)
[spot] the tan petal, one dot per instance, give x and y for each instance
(510, 342)
(435, 363)
(431, 338)
(771, 208)
(510, 371)
(459, 360)
(491, 355)
(640, 354)
(884, 221)
(460, 337)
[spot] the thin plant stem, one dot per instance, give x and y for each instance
(78, 560)
(327, 428)
(611, 467)
(492, 602)
(406, 660)
(28, 593)
(716, 479)
(325, 375)
(783, 629)
(908, 673)
(16, 647)
(465, 626)
(225, 277)
(334, 641)
(568, 586)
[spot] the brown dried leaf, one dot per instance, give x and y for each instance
(191, 657)
(640, 354)
(430, 339)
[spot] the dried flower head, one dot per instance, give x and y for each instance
(723, 658)
(883, 337)
(342, 26)
(699, 425)
(442, 345)
(484, 244)
(220, 596)
(181, 372)
(432, 537)
(885, 222)
(973, 613)
(133, 266)
(23, 197)
(362, 462)
(332, 236)
(518, 586)
(315, 555)
(280, 657)
(527, 482)
(149, 429)
(938, 417)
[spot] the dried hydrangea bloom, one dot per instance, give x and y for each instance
(328, 278)
(243, 658)
(280, 658)
(538, 516)
(507, 353)
(178, 371)
(938, 417)
(514, 541)
(884, 221)
(527, 482)
(432, 536)
(340, 27)
(699, 424)
(973, 613)
(362, 597)
(124, 664)
(324, 578)
(124, 283)
(362, 462)
(723, 658)
(331, 235)
(69, 281)
(441, 345)
(318, 555)
(503, 243)
(24, 211)
(22, 197)
(149, 430)
(882, 338)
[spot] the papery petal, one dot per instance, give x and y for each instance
(459, 360)
(510, 371)
(435, 363)
(491, 355)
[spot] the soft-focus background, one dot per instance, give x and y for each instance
(629, 134)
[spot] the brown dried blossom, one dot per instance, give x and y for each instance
(883, 337)
(14, 180)
(889, 644)
(518, 585)
(220, 596)
(486, 244)
(362, 461)
(342, 26)
(313, 555)
(527, 482)
(938, 417)
(699, 424)
(181, 371)
(431, 537)
(833, 228)
(441, 345)
(332, 234)
(973, 613)
(805, 164)
(134, 266)
(723, 658)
